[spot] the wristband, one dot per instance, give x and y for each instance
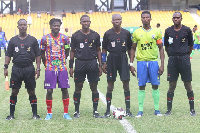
(5, 66)
(71, 62)
(131, 64)
(103, 55)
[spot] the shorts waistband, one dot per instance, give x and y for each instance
(22, 66)
(117, 53)
(85, 59)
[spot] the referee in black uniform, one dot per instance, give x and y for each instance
(117, 41)
(85, 47)
(25, 50)
(178, 42)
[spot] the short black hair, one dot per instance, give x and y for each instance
(20, 20)
(195, 26)
(83, 17)
(146, 12)
(54, 20)
(179, 13)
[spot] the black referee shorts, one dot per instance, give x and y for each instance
(86, 67)
(26, 74)
(179, 64)
(117, 62)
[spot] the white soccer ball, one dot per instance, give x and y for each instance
(118, 113)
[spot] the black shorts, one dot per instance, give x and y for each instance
(26, 74)
(117, 62)
(86, 67)
(179, 64)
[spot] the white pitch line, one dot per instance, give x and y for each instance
(129, 128)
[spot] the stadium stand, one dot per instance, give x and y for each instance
(100, 22)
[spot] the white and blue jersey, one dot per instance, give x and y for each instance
(2, 39)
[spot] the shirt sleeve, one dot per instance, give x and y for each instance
(43, 43)
(9, 51)
(190, 38)
(159, 34)
(98, 43)
(129, 41)
(105, 41)
(67, 42)
(166, 37)
(36, 48)
(134, 37)
(73, 42)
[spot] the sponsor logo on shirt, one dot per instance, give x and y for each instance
(90, 45)
(56, 62)
(123, 44)
(183, 40)
(29, 49)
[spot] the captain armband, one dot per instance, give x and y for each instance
(159, 41)
(103, 55)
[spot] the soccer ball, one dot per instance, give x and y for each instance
(118, 113)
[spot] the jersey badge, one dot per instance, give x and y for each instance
(153, 36)
(29, 49)
(81, 45)
(170, 40)
(183, 40)
(113, 44)
(22, 45)
(118, 39)
(90, 45)
(16, 49)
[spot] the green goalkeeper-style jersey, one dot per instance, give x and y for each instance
(147, 49)
(197, 37)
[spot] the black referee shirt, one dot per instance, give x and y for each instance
(178, 42)
(85, 45)
(117, 43)
(23, 51)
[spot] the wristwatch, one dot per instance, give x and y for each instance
(5, 66)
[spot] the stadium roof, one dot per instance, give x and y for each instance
(7, 0)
